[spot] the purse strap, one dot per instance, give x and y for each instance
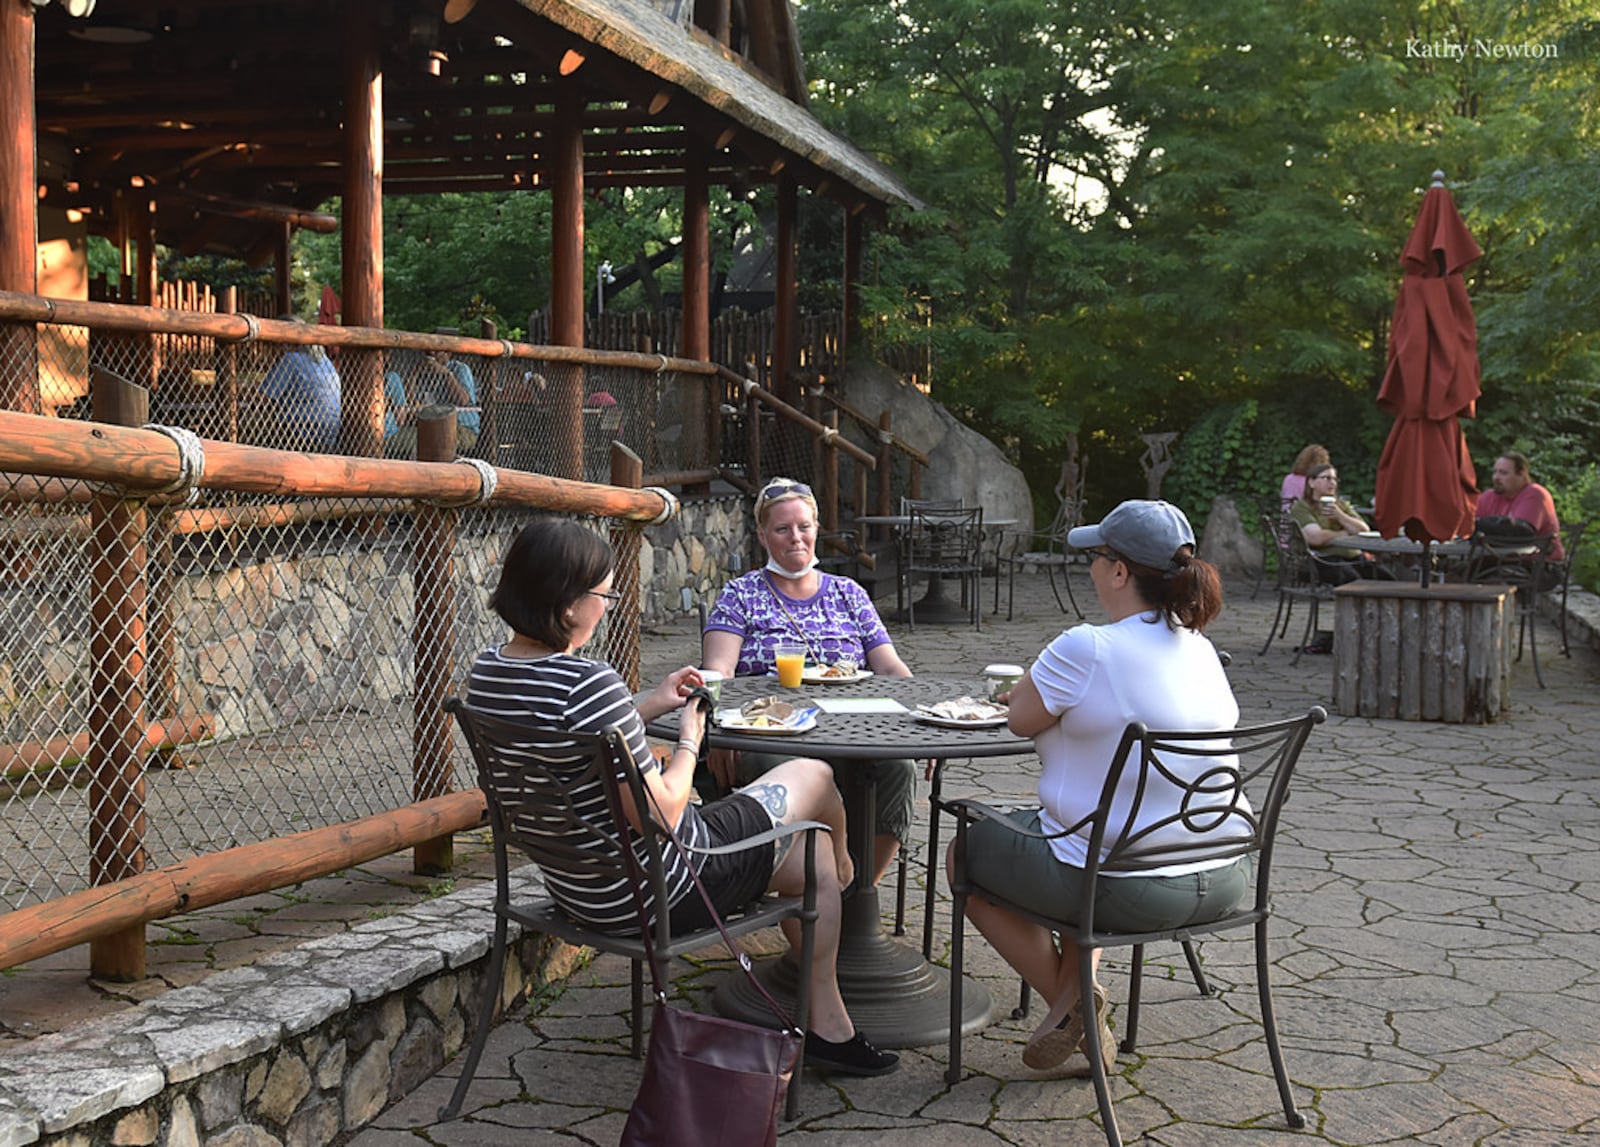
(648, 933)
(794, 622)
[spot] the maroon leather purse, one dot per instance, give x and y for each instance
(709, 1081)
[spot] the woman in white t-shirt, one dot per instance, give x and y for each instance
(1148, 663)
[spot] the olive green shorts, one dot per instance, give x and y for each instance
(1026, 872)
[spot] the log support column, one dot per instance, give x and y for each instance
(701, 410)
(19, 205)
(361, 240)
(786, 311)
(567, 279)
(117, 670)
(433, 574)
(851, 302)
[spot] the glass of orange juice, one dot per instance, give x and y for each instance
(791, 659)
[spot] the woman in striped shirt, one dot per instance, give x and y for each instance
(554, 589)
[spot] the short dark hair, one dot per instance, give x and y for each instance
(1518, 460)
(550, 564)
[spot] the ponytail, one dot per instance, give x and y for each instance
(1188, 595)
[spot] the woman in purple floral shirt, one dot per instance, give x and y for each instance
(790, 599)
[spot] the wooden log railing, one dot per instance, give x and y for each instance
(118, 464)
(828, 444)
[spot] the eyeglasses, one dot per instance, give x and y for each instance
(1109, 555)
(1326, 478)
(610, 595)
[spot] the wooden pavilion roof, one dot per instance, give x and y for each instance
(230, 111)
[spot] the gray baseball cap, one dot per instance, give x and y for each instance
(1148, 533)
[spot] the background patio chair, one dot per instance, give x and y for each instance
(1258, 761)
(1297, 580)
(527, 775)
(946, 544)
(1044, 549)
(902, 539)
(1525, 564)
(1269, 508)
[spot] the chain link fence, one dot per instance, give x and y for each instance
(187, 672)
(279, 683)
(555, 415)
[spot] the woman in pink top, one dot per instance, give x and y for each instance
(1294, 482)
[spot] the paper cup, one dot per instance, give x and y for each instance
(1002, 678)
(713, 682)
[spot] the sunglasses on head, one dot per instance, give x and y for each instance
(782, 490)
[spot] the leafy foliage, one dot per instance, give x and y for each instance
(1259, 166)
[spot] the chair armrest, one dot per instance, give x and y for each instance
(968, 809)
(771, 836)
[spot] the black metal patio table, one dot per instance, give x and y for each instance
(898, 998)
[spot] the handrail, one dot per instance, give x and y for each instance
(887, 437)
(148, 459)
(233, 328)
(830, 436)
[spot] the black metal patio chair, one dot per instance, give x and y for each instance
(944, 544)
(1298, 579)
(527, 775)
(1045, 550)
(1230, 789)
(1523, 563)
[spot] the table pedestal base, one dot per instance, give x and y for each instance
(895, 996)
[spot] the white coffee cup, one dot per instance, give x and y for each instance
(712, 679)
(1002, 678)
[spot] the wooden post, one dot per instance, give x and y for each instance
(829, 475)
(885, 473)
(361, 239)
(701, 414)
(433, 577)
(116, 717)
(622, 637)
(147, 290)
(19, 205)
(282, 284)
(786, 308)
(161, 675)
(566, 280)
(851, 304)
(227, 384)
(496, 379)
(753, 439)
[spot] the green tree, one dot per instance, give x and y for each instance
(1261, 164)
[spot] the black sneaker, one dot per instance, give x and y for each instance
(854, 1056)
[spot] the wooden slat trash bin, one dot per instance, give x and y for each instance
(1422, 652)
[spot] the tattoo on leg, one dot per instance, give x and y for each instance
(781, 854)
(770, 796)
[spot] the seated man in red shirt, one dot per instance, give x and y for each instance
(1517, 495)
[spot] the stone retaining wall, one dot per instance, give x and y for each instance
(293, 1051)
(266, 642)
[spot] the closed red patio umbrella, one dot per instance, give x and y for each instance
(1427, 486)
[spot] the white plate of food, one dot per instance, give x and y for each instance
(962, 713)
(842, 674)
(768, 716)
